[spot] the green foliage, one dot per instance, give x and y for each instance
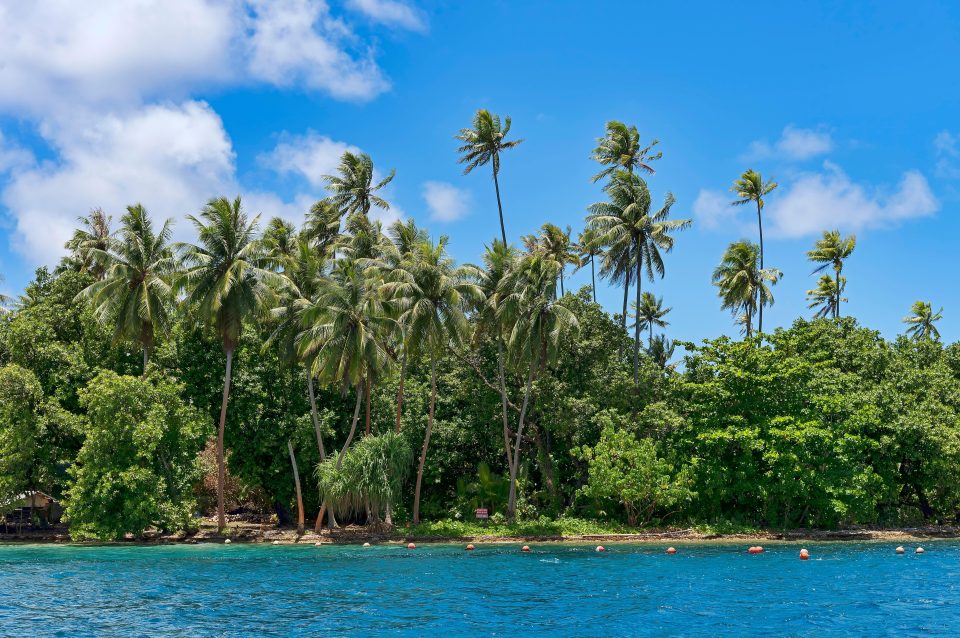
(20, 435)
(370, 476)
(138, 461)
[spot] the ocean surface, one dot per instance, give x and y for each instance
(846, 589)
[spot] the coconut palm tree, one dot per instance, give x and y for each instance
(352, 190)
(744, 286)
(135, 293)
(94, 237)
(922, 319)
(831, 250)
(554, 243)
(535, 323)
(433, 294)
(482, 145)
(227, 280)
(661, 351)
(750, 187)
(588, 246)
(620, 149)
(322, 225)
(826, 297)
(650, 312)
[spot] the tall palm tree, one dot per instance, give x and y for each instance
(620, 149)
(922, 320)
(135, 293)
(661, 351)
(536, 323)
(743, 285)
(827, 296)
(93, 238)
(227, 280)
(554, 243)
(433, 294)
(588, 246)
(750, 187)
(482, 145)
(321, 228)
(831, 250)
(352, 190)
(649, 313)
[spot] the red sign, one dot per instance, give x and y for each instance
(482, 512)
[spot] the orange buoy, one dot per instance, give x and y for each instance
(525, 549)
(601, 548)
(900, 549)
(804, 554)
(411, 546)
(919, 550)
(671, 551)
(470, 547)
(756, 549)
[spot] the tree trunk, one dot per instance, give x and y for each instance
(146, 357)
(836, 308)
(496, 185)
(221, 466)
(503, 402)
(353, 427)
(636, 327)
(296, 481)
(512, 502)
(314, 416)
(760, 225)
(626, 297)
(426, 439)
(403, 375)
(366, 431)
(541, 439)
(562, 293)
(650, 343)
(593, 278)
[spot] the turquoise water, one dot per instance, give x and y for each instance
(556, 590)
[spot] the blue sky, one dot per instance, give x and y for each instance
(853, 109)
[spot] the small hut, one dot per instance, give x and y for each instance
(28, 508)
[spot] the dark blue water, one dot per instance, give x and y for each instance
(556, 590)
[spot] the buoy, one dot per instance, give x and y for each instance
(671, 551)
(756, 549)
(804, 554)
(411, 546)
(368, 545)
(524, 549)
(276, 542)
(601, 548)
(227, 542)
(900, 550)
(470, 547)
(317, 544)
(919, 550)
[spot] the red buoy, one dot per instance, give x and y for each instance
(411, 546)
(671, 551)
(756, 549)
(601, 548)
(524, 549)
(804, 554)
(470, 547)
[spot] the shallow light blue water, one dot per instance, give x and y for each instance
(556, 590)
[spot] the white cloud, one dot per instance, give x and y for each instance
(12, 156)
(947, 146)
(830, 199)
(391, 12)
(713, 210)
(310, 156)
(446, 202)
(794, 144)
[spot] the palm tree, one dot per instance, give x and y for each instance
(619, 149)
(352, 190)
(4, 299)
(743, 285)
(826, 297)
(750, 187)
(536, 323)
(832, 250)
(227, 280)
(650, 313)
(433, 294)
(322, 225)
(588, 245)
(554, 243)
(922, 320)
(482, 144)
(94, 237)
(661, 351)
(136, 291)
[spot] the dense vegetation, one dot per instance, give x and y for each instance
(352, 373)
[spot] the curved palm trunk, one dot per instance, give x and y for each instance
(323, 453)
(514, 469)
(650, 342)
(636, 327)
(353, 427)
(426, 439)
(296, 481)
(760, 225)
(503, 402)
(221, 466)
(496, 185)
(593, 279)
(403, 376)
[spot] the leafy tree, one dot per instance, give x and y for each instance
(20, 432)
(743, 286)
(138, 461)
(482, 145)
(831, 250)
(922, 320)
(750, 187)
(620, 149)
(227, 281)
(352, 189)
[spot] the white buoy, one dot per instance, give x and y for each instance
(900, 549)
(276, 542)
(919, 550)
(317, 544)
(227, 542)
(366, 544)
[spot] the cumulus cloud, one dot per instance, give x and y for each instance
(446, 202)
(947, 146)
(794, 144)
(12, 156)
(391, 12)
(310, 156)
(713, 210)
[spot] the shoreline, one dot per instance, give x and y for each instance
(358, 536)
